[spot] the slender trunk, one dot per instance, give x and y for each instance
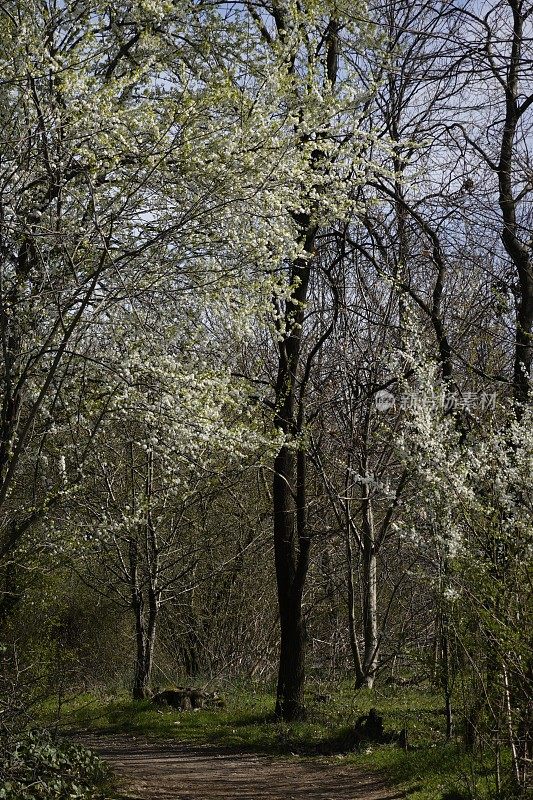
(352, 628)
(518, 250)
(140, 679)
(151, 627)
(370, 614)
(145, 630)
(190, 646)
(525, 728)
(146, 605)
(515, 762)
(446, 677)
(371, 658)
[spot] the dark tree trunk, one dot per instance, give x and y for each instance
(291, 570)
(291, 541)
(291, 537)
(518, 250)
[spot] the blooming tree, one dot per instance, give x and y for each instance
(136, 164)
(473, 521)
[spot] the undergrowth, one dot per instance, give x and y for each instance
(34, 766)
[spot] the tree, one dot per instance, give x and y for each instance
(170, 422)
(500, 59)
(125, 132)
(305, 46)
(475, 487)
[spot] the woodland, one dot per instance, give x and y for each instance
(266, 328)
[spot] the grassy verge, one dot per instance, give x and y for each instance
(430, 770)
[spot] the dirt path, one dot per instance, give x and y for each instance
(151, 770)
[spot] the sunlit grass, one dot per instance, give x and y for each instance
(430, 770)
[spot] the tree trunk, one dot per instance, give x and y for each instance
(518, 250)
(140, 669)
(352, 628)
(291, 676)
(145, 631)
(444, 671)
(291, 541)
(291, 538)
(370, 613)
(291, 571)
(145, 621)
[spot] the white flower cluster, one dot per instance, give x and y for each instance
(475, 484)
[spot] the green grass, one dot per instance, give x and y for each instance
(430, 769)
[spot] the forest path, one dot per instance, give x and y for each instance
(152, 770)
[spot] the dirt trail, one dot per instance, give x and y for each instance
(150, 770)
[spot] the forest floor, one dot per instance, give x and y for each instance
(240, 751)
(155, 770)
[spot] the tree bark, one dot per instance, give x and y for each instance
(145, 630)
(291, 557)
(370, 612)
(291, 541)
(352, 625)
(145, 593)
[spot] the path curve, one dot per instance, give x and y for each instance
(152, 770)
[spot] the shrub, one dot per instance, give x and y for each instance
(37, 767)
